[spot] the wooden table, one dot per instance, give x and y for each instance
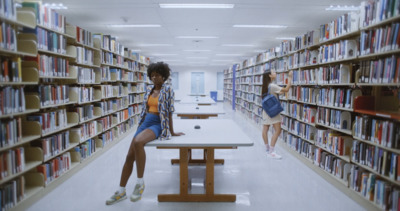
(197, 112)
(213, 134)
(201, 101)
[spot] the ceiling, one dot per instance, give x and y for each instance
(186, 54)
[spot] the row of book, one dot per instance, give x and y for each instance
(308, 77)
(337, 97)
(85, 112)
(299, 129)
(303, 94)
(12, 193)
(380, 39)
(84, 56)
(308, 39)
(53, 145)
(330, 163)
(12, 162)
(369, 185)
(55, 168)
(8, 37)
(50, 121)
(333, 142)
(85, 94)
(110, 43)
(84, 36)
(109, 106)
(51, 94)
(51, 66)
(334, 118)
(10, 69)
(335, 74)
(8, 10)
(373, 12)
(49, 40)
(86, 149)
(375, 189)
(381, 161)
(344, 49)
(87, 75)
(385, 70)
(12, 100)
(10, 132)
(346, 23)
(301, 112)
(135, 98)
(383, 132)
(87, 130)
(297, 144)
(46, 16)
(123, 75)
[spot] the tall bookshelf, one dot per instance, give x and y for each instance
(341, 116)
(61, 104)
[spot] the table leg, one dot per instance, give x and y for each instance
(198, 161)
(209, 195)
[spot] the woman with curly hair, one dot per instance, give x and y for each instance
(155, 122)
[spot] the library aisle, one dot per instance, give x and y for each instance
(260, 183)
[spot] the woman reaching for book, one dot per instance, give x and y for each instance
(275, 121)
(155, 122)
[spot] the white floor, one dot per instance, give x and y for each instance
(259, 183)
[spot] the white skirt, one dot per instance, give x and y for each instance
(270, 121)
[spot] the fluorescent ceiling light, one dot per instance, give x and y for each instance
(285, 38)
(197, 50)
(134, 25)
(238, 45)
(136, 50)
(55, 6)
(198, 6)
(259, 26)
(343, 8)
(151, 45)
(197, 57)
(197, 37)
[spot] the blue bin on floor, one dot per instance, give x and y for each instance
(213, 95)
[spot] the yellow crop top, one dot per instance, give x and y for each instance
(153, 104)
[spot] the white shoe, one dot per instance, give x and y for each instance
(137, 193)
(274, 155)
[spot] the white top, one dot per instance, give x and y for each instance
(197, 100)
(212, 133)
(195, 109)
(274, 89)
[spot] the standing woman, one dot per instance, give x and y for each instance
(275, 121)
(155, 122)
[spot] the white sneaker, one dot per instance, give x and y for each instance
(137, 193)
(274, 155)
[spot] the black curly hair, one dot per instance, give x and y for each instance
(160, 68)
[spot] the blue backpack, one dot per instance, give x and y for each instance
(271, 104)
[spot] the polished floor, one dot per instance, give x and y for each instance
(259, 182)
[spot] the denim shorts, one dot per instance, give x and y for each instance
(152, 122)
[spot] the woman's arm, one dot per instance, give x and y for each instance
(171, 126)
(288, 85)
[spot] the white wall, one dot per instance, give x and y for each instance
(210, 80)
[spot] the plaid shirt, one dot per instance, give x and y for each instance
(165, 106)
